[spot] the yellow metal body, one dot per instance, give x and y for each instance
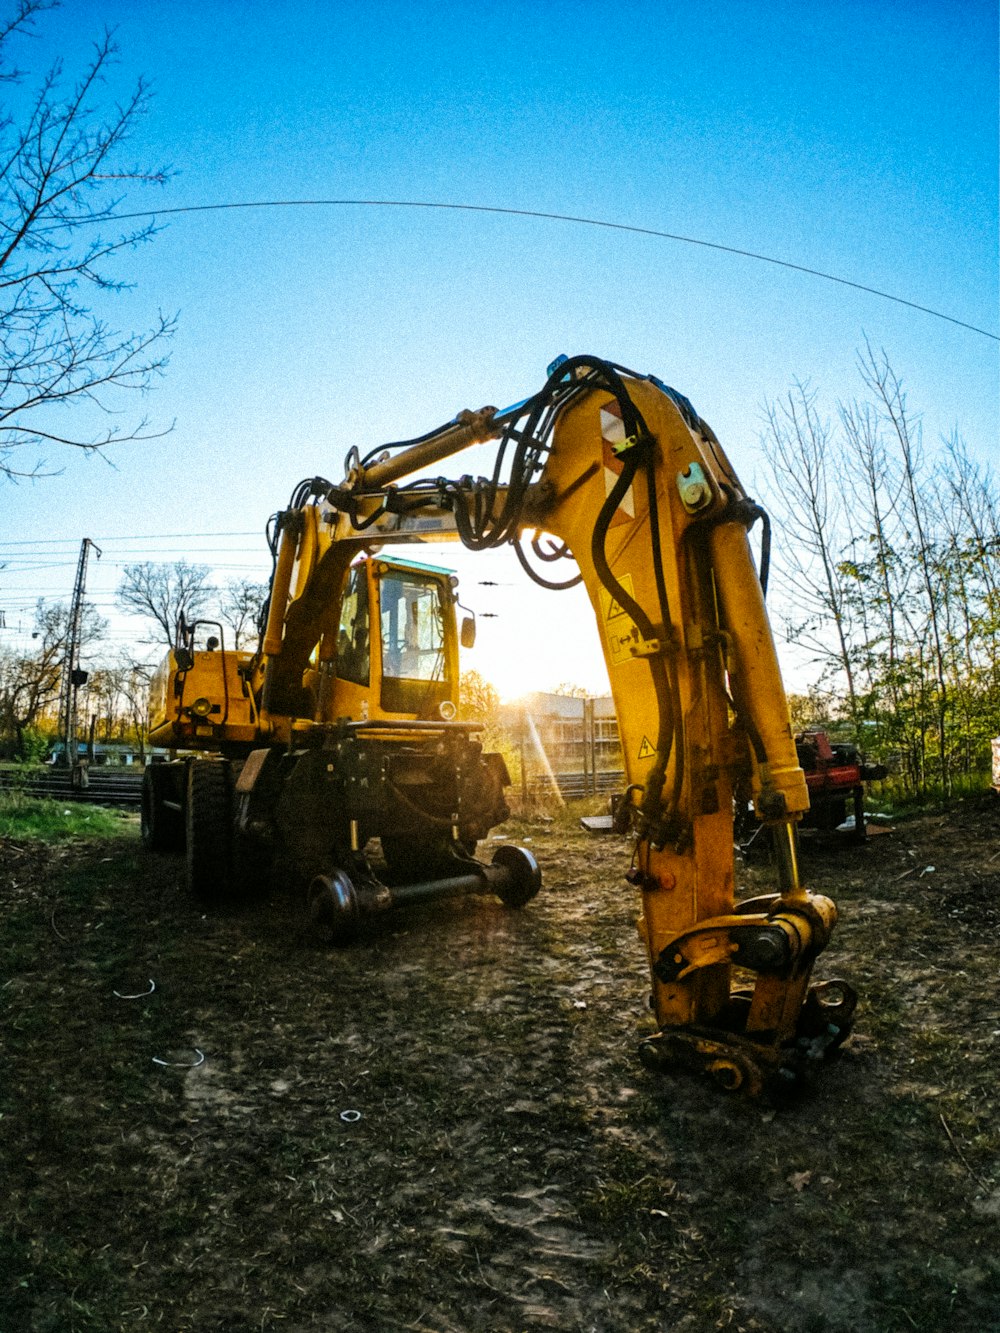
(718, 640)
(210, 699)
(194, 707)
(693, 670)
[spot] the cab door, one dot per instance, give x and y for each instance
(416, 642)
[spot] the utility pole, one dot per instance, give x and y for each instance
(72, 676)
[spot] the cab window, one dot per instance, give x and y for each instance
(414, 677)
(352, 638)
(412, 628)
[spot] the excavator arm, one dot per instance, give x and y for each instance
(616, 472)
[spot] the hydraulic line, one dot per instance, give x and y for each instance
(656, 552)
(534, 575)
(527, 428)
(666, 715)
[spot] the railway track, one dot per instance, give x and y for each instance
(123, 787)
(120, 788)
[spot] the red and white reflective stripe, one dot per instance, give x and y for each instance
(612, 433)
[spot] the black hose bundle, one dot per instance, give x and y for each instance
(481, 525)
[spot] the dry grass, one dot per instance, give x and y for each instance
(513, 1166)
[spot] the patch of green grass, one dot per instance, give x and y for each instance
(893, 796)
(46, 820)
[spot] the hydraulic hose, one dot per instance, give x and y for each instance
(666, 725)
(656, 551)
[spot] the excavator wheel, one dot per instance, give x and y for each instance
(161, 829)
(209, 828)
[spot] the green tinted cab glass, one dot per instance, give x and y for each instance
(413, 643)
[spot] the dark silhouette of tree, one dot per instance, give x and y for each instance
(62, 177)
(239, 609)
(163, 593)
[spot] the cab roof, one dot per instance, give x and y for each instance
(395, 563)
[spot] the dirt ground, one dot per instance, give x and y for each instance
(445, 1126)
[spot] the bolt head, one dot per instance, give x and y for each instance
(694, 493)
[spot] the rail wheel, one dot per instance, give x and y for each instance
(333, 907)
(209, 828)
(524, 878)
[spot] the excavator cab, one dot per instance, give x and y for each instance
(397, 643)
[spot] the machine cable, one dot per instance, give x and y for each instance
(560, 553)
(373, 454)
(676, 712)
(526, 441)
(662, 685)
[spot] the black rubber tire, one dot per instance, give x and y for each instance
(209, 827)
(162, 830)
(149, 812)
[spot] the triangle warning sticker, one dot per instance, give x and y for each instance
(646, 750)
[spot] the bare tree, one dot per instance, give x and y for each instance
(570, 691)
(891, 571)
(974, 491)
(800, 448)
(240, 608)
(29, 682)
(890, 398)
(479, 700)
(118, 695)
(61, 182)
(163, 593)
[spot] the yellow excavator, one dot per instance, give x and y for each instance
(333, 753)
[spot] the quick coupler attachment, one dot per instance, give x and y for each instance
(753, 1063)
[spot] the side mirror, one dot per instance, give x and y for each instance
(467, 634)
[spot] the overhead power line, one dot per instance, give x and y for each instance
(134, 537)
(554, 217)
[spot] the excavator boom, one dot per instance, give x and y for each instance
(613, 476)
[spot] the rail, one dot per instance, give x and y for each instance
(118, 788)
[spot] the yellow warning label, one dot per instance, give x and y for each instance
(646, 750)
(619, 629)
(609, 605)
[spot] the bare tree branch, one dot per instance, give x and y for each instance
(240, 609)
(163, 593)
(60, 162)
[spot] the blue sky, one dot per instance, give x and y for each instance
(854, 138)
